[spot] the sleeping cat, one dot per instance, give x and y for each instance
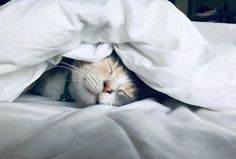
(104, 82)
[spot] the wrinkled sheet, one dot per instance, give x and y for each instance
(36, 128)
(35, 34)
(152, 37)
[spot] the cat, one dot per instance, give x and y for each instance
(107, 82)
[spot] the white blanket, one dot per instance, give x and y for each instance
(152, 37)
(156, 41)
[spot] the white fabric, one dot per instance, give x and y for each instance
(152, 37)
(35, 33)
(217, 33)
(90, 52)
(35, 128)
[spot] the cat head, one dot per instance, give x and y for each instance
(105, 82)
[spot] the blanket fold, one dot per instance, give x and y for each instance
(152, 37)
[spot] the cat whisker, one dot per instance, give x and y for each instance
(72, 68)
(83, 71)
(69, 65)
(69, 68)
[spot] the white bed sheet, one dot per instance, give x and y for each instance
(37, 128)
(217, 33)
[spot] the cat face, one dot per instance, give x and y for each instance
(103, 82)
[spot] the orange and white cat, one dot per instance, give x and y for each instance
(104, 82)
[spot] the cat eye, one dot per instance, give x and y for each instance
(123, 92)
(120, 90)
(110, 66)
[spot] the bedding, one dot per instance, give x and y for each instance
(185, 60)
(153, 39)
(35, 127)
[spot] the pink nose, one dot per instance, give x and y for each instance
(107, 86)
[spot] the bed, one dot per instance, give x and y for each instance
(194, 65)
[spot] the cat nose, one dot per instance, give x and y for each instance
(107, 87)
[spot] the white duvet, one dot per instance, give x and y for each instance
(153, 39)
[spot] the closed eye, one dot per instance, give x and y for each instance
(110, 66)
(121, 91)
